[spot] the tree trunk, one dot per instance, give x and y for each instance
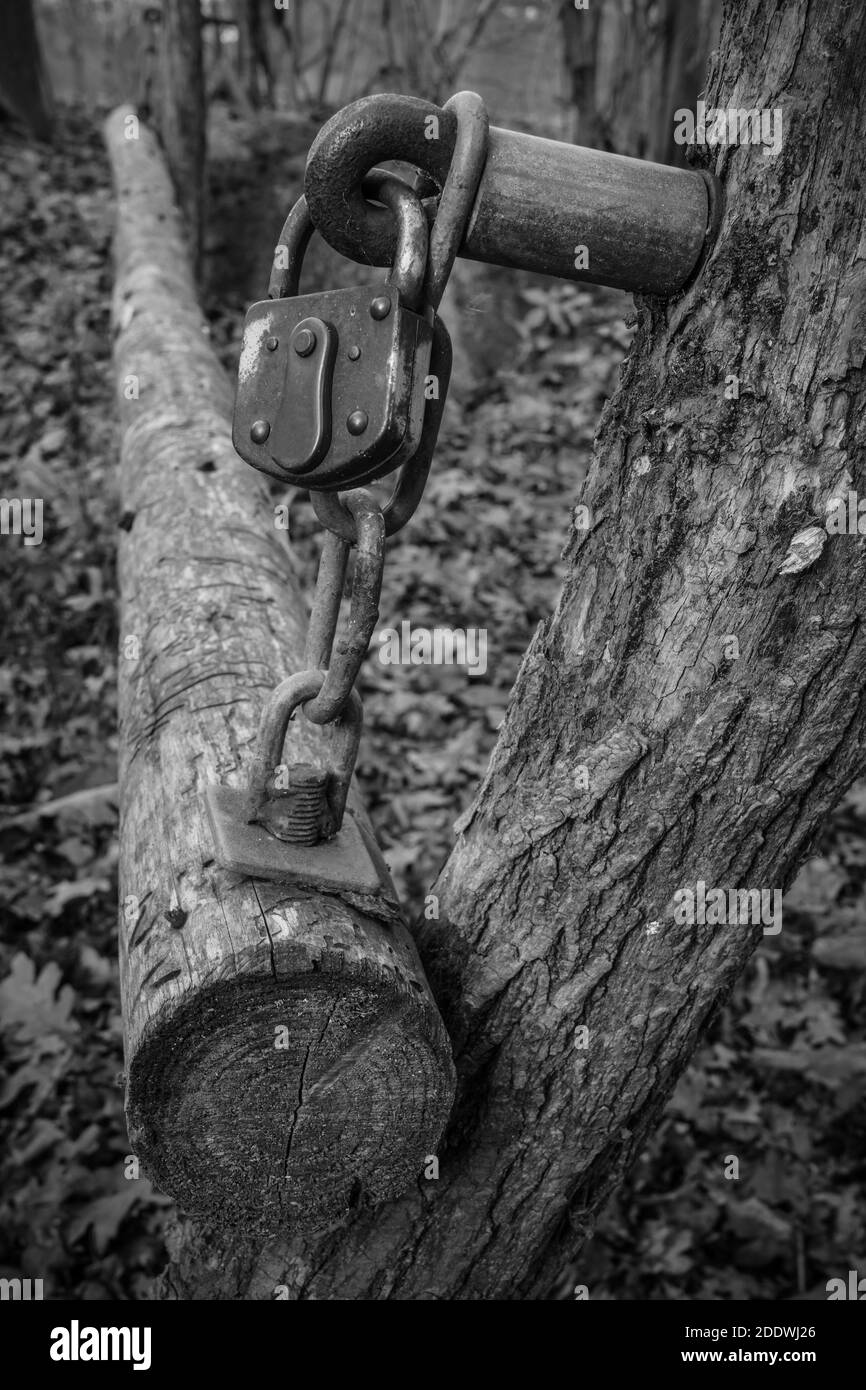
(176, 98)
(580, 47)
(688, 714)
(23, 89)
(691, 30)
(631, 67)
(283, 1053)
(256, 73)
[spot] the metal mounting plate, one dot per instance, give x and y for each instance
(342, 863)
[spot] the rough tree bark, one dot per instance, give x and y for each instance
(556, 903)
(283, 1053)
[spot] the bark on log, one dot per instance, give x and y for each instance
(231, 1116)
(700, 765)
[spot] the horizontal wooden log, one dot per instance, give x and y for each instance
(691, 711)
(284, 1055)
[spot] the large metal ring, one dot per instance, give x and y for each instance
(376, 128)
(458, 195)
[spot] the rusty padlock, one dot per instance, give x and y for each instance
(331, 386)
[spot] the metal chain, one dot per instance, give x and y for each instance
(449, 226)
(325, 690)
(341, 659)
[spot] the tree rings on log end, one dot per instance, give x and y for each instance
(280, 1103)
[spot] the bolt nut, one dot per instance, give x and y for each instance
(353, 354)
(304, 342)
(260, 431)
(357, 422)
(381, 307)
(272, 344)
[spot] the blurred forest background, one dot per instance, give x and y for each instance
(780, 1080)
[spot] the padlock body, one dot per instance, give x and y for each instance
(331, 386)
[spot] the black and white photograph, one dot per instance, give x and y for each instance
(433, 669)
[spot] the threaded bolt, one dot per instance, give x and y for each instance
(299, 812)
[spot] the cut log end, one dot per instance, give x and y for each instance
(280, 1103)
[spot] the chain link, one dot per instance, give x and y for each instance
(341, 658)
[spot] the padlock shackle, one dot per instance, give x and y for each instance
(409, 266)
(644, 225)
(289, 252)
(405, 216)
